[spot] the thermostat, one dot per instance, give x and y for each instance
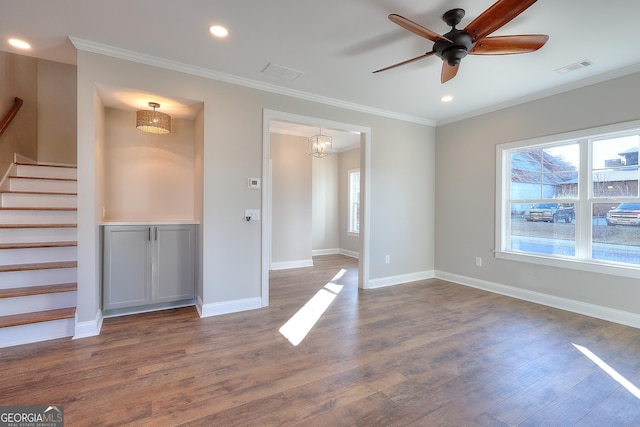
(254, 182)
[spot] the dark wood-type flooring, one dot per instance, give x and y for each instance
(421, 354)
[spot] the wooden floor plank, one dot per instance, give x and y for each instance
(420, 354)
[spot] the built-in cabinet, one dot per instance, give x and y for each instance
(148, 266)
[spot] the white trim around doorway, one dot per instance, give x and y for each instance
(365, 191)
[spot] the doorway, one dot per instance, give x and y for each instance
(270, 117)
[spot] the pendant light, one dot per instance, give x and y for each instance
(153, 121)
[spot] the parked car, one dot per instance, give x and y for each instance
(624, 214)
(551, 212)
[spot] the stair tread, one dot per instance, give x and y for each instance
(37, 317)
(37, 192)
(34, 245)
(38, 266)
(38, 226)
(40, 178)
(38, 290)
(36, 209)
(50, 165)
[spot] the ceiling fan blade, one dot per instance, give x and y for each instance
(408, 61)
(448, 72)
(497, 15)
(507, 45)
(418, 29)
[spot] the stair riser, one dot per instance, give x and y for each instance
(33, 303)
(46, 172)
(38, 217)
(21, 279)
(25, 334)
(17, 200)
(25, 184)
(37, 255)
(31, 235)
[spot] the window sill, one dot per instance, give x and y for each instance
(352, 234)
(590, 266)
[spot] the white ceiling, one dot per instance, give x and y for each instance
(336, 44)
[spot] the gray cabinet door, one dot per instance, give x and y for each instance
(174, 262)
(127, 266)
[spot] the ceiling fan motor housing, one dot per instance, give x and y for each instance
(453, 51)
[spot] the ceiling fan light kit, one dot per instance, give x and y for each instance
(453, 46)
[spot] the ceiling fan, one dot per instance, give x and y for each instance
(473, 40)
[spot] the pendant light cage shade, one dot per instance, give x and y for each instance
(153, 121)
(320, 145)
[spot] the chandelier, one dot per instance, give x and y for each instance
(320, 145)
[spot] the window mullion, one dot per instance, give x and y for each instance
(583, 205)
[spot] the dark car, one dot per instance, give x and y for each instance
(624, 214)
(551, 212)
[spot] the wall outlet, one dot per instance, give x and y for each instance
(252, 214)
(478, 261)
(387, 259)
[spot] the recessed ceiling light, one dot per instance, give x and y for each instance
(218, 31)
(20, 44)
(446, 98)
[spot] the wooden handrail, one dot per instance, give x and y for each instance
(10, 115)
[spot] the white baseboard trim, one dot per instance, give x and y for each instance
(400, 279)
(587, 309)
(346, 252)
(320, 252)
(226, 307)
(291, 264)
(90, 328)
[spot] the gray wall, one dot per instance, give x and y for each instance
(18, 78)
(325, 203)
(348, 160)
(56, 112)
(465, 194)
(45, 127)
(291, 199)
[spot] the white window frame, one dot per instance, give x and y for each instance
(582, 260)
(351, 231)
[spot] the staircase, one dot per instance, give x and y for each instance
(38, 253)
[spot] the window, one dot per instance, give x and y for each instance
(572, 200)
(354, 201)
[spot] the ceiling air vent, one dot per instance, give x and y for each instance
(281, 72)
(573, 67)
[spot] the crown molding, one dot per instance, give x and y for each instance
(128, 55)
(599, 78)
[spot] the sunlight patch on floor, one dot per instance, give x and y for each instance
(609, 370)
(299, 325)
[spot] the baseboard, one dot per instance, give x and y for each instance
(334, 251)
(579, 307)
(349, 253)
(4, 184)
(320, 252)
(36, 332)
(218, 308)
(19, 158)
(400, 279)
(291, 264)
(90, 328)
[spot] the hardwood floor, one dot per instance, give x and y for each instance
(422, 354)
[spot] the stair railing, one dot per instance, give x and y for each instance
(10, 115)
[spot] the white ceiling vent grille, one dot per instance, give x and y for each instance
(573, 67)
(281, 72)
